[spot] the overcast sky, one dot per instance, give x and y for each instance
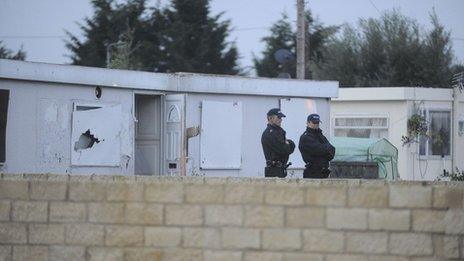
(39, 25)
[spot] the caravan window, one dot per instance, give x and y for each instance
(361, 127)
(437, 142)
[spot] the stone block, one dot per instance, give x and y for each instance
(67, 211)
(87, 190)
(284, 195)
(164, 192)
(189, 215)
(346, 218)
(14, 189)
(6, 253)
(305, 217)
(29, 211)
(201, 238)
(447, 197)
(210, 194)
(13, 233)
(5, 207)
(346, 257)
(318, 240)
(389, 219)
(262, 256)
(451, 246)
(454, 221)
(387, 258)
(244, 194)
(371, 196)
(46, 234)
(85, 234)
(183, 254)
(144, 213)
(125, 191)
(411, 244)
(124, 236)
(163, 236)
(48, 190)
(302, 257)
(143, 254)
(223, 215)
(106, 212)
(105, 254)
(211, 255)
(367, 243)
(30, 253)
(428, 220)
(68, 253)
(281, 239)
(410, 196)
(240, 238)
(264, 216)
(326, 196)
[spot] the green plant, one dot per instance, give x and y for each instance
(456, 175)
(417, 126)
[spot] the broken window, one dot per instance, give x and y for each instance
(95, 138)
(4, 97)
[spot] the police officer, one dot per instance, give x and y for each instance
(276, 147)
(315, 149)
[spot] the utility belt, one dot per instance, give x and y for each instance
(274, 163)
(277, 164)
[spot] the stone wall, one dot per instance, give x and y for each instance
(61, 217)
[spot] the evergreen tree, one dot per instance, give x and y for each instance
(108, 25)
(181, 37)
(283, 37)
(6, 53)
(194, 41)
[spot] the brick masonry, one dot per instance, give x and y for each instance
(62, 217)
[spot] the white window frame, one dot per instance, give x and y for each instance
(339, 116)
(428, 120)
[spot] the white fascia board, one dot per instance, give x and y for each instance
(220, 84)
(71, 74)
(394, 94)
(177, 82)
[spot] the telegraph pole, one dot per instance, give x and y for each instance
(300, 40)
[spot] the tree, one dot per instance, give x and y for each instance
(194, 41)
(110, 22)
(282, 36)
(180, 37)
(389, 51)
(6, 53)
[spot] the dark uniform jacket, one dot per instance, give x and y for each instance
(316, 149)
(274, 146)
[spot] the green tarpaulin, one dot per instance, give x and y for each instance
(364, 149)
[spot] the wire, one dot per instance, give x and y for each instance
(30, 36)
(375, 7)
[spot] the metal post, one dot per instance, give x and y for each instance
(108, 51)
(300, 40)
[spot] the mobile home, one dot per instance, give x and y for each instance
(83, 120)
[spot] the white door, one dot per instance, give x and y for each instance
(148, 135)
(174, 115)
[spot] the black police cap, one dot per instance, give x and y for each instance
(275, 111)
(314, 118)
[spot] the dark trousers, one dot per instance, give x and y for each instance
(275, 172)
(315, 173)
